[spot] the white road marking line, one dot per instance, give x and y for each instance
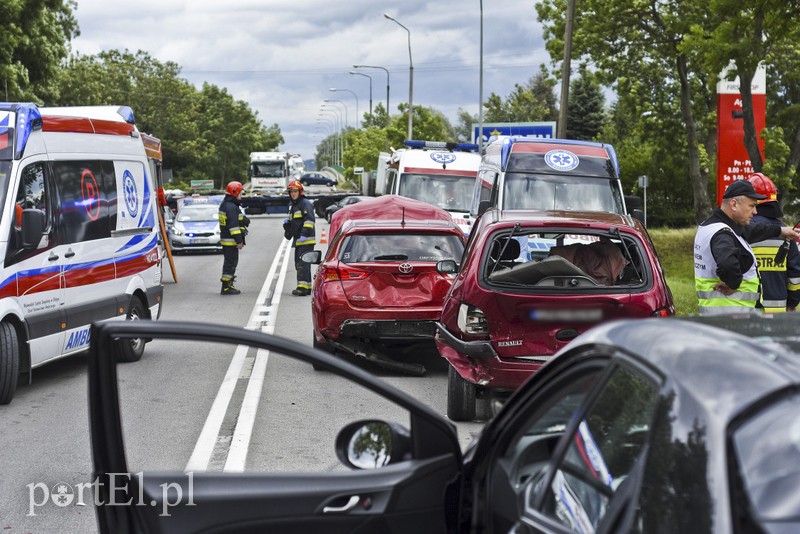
(204, 448)
(240, 444)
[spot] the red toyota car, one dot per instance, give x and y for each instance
(530, 282)
(378, 285)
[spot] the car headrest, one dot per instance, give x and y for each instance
(510, 252)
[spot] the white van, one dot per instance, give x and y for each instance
(442, 174)
(78, 233)
(519, 173)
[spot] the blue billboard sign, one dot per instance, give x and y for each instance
(528, 129)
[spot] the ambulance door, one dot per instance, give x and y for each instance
(89, 273)
(32, 276)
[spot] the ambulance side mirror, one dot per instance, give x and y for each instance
(32, 228)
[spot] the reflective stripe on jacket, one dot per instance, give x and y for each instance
(710, 300)
(230, 233)
(301, 222)
(780, 282)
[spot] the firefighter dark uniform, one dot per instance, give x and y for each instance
(780, 280)
(299, 227)
(232, 231)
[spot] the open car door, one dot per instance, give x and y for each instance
(415, 487)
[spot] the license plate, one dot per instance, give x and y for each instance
(199, 241)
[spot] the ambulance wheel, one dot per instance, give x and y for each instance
(460, 397)
(9, 362)
(131, 350)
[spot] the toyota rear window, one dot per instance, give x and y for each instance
(401, 247)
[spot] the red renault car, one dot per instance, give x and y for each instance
(530, 282)
(377, 286)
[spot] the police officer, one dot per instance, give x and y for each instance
(780, 281)
(725, 268)
(299, 227)
(232, 231)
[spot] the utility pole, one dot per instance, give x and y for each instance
(566, 68)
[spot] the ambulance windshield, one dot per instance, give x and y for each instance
(450, 192)
(529, 191)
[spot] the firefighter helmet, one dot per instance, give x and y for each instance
(234, 188)
(294, 184)
(764, 186)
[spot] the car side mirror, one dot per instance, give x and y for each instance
(638, 215)
(447, 266)
(32, 228)
(371, 444)
(483, 206)
(314, 257)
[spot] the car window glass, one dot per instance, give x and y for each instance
(568, 260)
(204, 213)
(602, 453)
(83, 189)
(394, 247)
(549, 192)
(532, 448)
(32, 194)
(767, 449)
(270, 423)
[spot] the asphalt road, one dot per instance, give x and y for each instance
(187, 406)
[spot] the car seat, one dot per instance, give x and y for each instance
(510, 252)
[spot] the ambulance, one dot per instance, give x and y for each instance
(442, 174)
(78, 232)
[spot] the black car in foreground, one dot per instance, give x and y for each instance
(650, 425)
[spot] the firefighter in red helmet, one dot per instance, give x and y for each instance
(780, 280)
(299, 227)
(232, 231)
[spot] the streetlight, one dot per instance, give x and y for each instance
(410, 78)
(355, 96)
(345, 109)
(370, 87)
(387, 85)
(480, 90)
(337, 118)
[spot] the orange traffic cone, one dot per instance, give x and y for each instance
(323, 238)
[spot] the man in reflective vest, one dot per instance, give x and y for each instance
(780, 280)
(725, 268)
(232, 231)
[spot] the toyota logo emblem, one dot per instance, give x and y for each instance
(406, 268)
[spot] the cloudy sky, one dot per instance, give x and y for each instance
(283, 57)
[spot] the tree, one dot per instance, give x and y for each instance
(34, 39)
(377, 119)
(542, 86)
(463, 129)
(630, 44)
(745, 32)
(586, 115)
(429, 125)
(521, 105)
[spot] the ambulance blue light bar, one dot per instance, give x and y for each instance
(28, 118)
(127, 114)
(464, 147)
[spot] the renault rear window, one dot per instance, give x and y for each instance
(401, 247)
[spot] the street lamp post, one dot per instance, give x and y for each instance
(480, 89)
(334, 89)
(334, 126)
(345, 109)
(342, 139)
(370, 87)
(410, 79)
(388, 112)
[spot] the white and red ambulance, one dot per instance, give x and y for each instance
(78, 233)
(442, 174)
